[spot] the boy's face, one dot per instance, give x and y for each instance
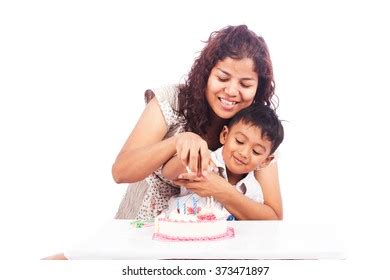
(244, 149)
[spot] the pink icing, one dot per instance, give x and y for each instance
(190, 210)
(197, 221)
(163, 237)
(207, 217)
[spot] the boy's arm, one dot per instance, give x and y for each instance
(240, 206)
(173, 168)
(244, 208)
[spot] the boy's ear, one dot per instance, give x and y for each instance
(223, 134)
(267, 161)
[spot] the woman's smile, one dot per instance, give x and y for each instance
(226, 104)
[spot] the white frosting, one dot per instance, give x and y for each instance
(175, 216)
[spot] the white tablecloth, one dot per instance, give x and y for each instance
(118, 239)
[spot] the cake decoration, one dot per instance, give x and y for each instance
(192, 223)
(141, 224)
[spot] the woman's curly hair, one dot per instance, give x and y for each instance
(236, 42)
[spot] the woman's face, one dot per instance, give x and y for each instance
(231, 86)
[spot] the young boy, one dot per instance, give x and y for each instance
(249, 142)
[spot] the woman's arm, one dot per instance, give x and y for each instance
(242, 207)
(144, 150)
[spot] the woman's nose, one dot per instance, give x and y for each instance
(231, 89)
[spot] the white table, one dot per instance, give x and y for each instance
(118, 239)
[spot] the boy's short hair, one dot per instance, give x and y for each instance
(264, 118)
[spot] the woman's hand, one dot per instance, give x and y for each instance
(193, 152)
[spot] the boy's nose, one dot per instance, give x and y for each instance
(244, 152)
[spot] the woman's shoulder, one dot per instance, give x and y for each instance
(167, 98)
(167, 93)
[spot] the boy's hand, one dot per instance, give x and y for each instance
(191, 176)
(211, 185)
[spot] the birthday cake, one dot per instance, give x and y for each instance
(194, 224)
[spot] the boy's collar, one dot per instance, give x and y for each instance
(218, 158)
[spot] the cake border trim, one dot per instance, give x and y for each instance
(163, 237)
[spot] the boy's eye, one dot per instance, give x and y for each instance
(239, 142)
(256, 153)
(245, 86)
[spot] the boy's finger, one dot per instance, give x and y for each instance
(185, 183)
(189, 177)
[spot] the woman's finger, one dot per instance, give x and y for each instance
(193, 158)
(204, 158)
(184, 154)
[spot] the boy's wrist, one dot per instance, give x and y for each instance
(225, 190)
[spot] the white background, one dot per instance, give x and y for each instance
(72, 77)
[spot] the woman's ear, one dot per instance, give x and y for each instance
(223, 134)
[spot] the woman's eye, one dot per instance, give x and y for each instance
(239, 142)
(256, 153)
(223, 79)
(245, 86)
